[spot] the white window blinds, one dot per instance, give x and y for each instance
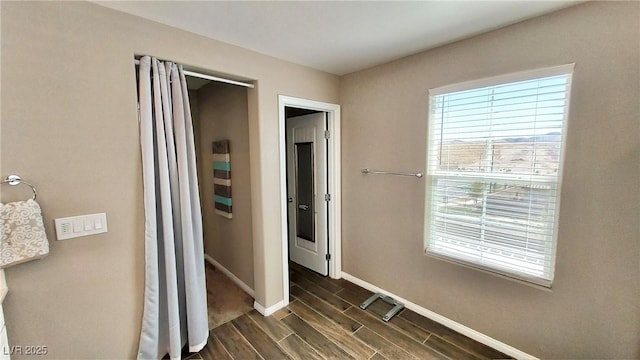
(494, 168)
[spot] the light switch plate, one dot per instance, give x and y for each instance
(83, 225)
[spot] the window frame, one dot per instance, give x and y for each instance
(431, 174)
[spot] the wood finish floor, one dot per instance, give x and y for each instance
(324, 321)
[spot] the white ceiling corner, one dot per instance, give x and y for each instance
(338, 37)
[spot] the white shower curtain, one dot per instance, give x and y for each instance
(175, 298)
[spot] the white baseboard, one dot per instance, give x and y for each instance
(229, 274)
(270, 310)
(475, 335)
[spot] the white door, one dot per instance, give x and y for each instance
(306, 187)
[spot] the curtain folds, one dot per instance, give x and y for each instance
(175, 299)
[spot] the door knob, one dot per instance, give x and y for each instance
(303, 207)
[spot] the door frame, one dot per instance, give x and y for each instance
(333, 185)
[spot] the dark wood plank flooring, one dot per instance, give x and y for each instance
(324, 321)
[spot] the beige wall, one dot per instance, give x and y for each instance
(593, 310)
(68, 119)
(70, 127)
(223, 115)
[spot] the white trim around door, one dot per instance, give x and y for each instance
(333, 166)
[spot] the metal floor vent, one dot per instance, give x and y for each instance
(397, 306)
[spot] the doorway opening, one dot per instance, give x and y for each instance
(220, 115)
(309, 134)
(307, 192)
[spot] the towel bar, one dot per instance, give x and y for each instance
(367, 171)
(17, 180)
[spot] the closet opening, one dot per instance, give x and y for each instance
(194, 135)
(221, 136)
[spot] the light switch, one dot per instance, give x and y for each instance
(75, 226)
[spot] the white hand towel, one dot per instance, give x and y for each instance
(22, 236)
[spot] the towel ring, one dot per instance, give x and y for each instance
(16, 180)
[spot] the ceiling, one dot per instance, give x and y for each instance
(338, 37)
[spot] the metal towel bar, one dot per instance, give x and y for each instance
(368, 171)
(17, 180)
